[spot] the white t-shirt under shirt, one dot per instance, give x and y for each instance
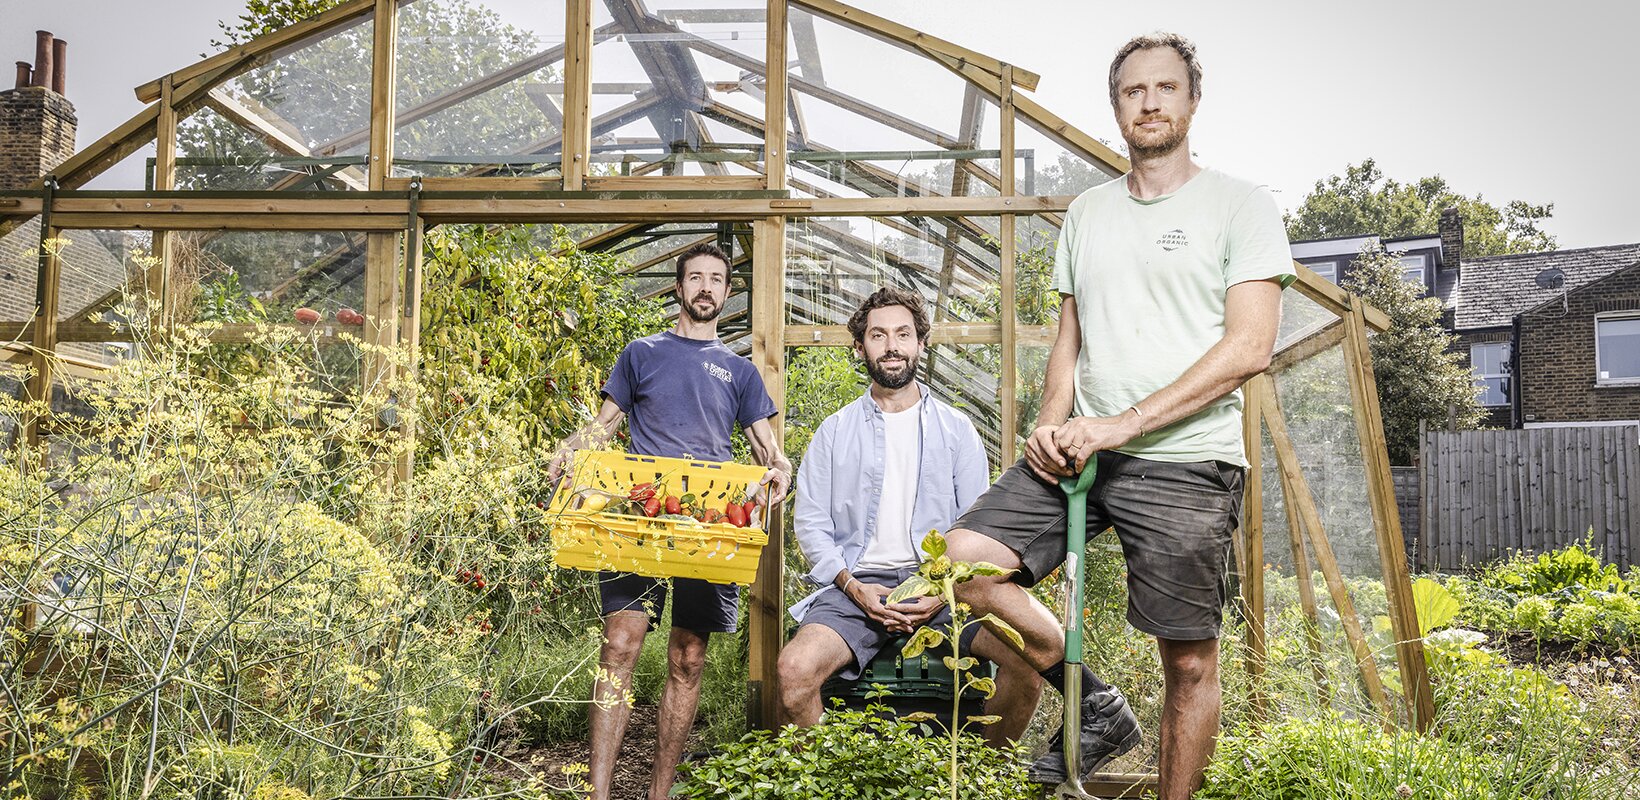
(889, 544)
(1149, 278)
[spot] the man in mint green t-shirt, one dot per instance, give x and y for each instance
(1170, 279)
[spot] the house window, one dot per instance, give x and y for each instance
(1490, 361)
(1617, 348)
(1413, 268)
(1326, 269)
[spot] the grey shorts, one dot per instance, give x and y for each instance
(697, 605)
(865, 636)
(1174, 521)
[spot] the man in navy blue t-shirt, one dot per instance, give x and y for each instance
(681, 392)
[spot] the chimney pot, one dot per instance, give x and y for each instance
(42, 58)
(25, 72)
(59, 66)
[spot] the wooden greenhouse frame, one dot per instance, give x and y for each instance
(393, 212)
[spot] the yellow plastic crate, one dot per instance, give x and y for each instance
(658, 548)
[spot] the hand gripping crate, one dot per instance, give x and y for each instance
(657, 548)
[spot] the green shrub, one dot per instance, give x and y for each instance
(1570, 567)
(1332, 757)
(853, 755)
(1565, 596)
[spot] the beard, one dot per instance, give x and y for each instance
(1145, 143)
(894, 379)
(715, 308)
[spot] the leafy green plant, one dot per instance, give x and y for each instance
(1572, 567)
(938, 576)
(1567, 595)
(863, 754)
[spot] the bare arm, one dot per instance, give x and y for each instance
(594, 434)
(1252, 313)
(767, 452)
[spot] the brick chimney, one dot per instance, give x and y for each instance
(1451, 228)
(37, 123)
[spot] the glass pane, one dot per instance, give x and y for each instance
(296, 121)
(677, 91)
(1045, 167)
(966, 377)
(1619, 347)
(135, 171)
(265, 276)
(479, 88)
(19, 268)
(1300, 317)
(859, 135)
(834, 263)
(1316, 404)
(97, 269)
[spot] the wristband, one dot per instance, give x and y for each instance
(847, 582)
(1141, 416)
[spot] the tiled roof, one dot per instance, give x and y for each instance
(1493, 289)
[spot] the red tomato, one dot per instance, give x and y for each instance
(736, 515)
(674, 505)
(652, 506)
(641, 493)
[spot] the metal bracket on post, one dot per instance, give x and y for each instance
(47, 198)
(412, 249)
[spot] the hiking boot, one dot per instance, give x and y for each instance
(1109, 729)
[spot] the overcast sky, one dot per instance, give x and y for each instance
(1533, 101)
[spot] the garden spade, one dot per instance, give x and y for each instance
(1076, 539)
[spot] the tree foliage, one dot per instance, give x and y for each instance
(1419, 377)
(531, 327)
(1362, 201)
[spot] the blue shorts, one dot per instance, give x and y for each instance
(700, 606)
(865, 636)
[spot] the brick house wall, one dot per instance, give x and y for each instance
(37, 133)
(1556, 357)
(37, 128)
(1495, 416)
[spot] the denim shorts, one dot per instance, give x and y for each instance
(1174, 522)
(865, 636)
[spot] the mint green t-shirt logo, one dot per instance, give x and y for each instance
(1173, 240)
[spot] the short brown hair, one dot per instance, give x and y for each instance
(884, 298)
(703, 249)
(1184, 47)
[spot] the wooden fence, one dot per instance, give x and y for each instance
(1488, 493)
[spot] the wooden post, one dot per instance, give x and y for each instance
(767, 612)
(410, 335)
(774, 97)
(381, 266)
(576, 139)
(165, 177)
(1008, 315)
(48, 277)
(1252, 536)
(1304, 502)
(1369, 424)
(382, 79)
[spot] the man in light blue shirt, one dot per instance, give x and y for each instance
(877, 477)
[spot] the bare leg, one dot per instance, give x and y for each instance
(1190, 714)
(685, 661)
(1044, 638)
(623, 640)
(1019, 688)
(813, 655)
